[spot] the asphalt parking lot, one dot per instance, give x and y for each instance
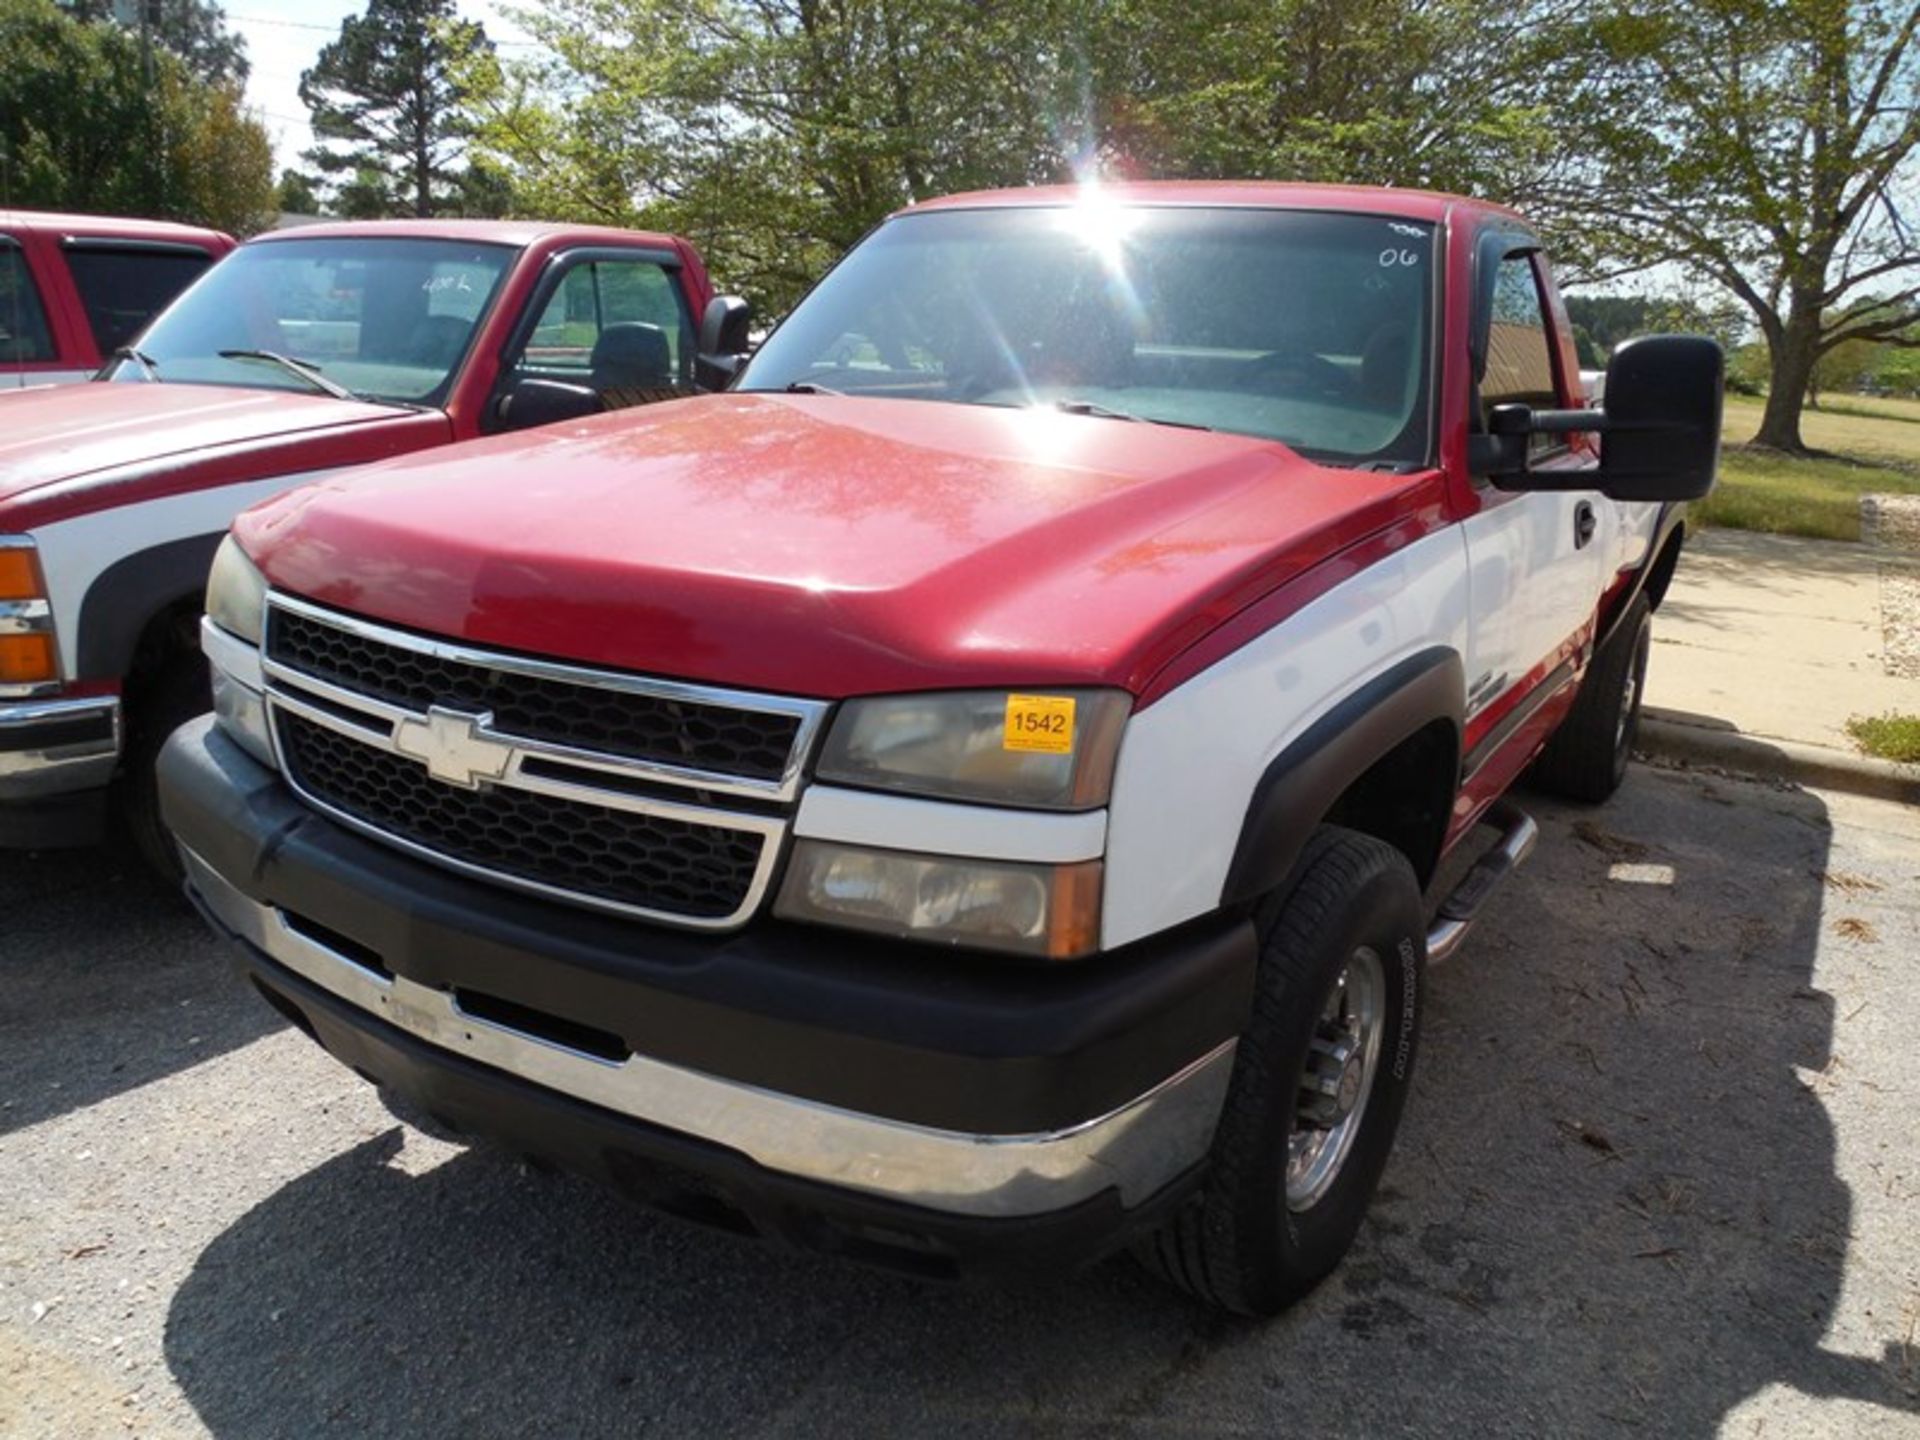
(1661, 1175)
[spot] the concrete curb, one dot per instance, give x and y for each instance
(1669, 738)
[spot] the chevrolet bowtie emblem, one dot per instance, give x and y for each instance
(454, 746)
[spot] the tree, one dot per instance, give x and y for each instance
(1602, 322)
(1761, 146)
(1389, 92)
(83, 129)
(385, 100)
(194, 30)
(296, 195)
(776, 132)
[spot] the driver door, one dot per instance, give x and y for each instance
(1535, 557)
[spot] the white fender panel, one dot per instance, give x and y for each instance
(74, 553)
(1189, 763)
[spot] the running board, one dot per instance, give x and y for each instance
(1458, 911)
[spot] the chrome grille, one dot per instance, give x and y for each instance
(664, 729)
(614, 791)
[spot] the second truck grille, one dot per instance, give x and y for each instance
(645, 861)
(750, 744)
(657, 798)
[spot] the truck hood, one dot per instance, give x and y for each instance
(823, 545)
(48, 437)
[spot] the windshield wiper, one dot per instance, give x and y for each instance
(307, 372)
(139, 357)
(1106, 412)
(807, 387)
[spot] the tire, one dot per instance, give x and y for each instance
(1587, 757)
(169, 699)
(1244, 1243)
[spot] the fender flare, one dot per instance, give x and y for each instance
(1650, 575)
(124, 598)
(1305, 780)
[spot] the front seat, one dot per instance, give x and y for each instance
(438, 341)
(631, 356)
(1386, 366)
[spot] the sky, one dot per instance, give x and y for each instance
(284, 38)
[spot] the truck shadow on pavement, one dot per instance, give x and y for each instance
(1613, 1207)
(107, 983)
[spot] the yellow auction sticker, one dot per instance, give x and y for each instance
(1040, 724)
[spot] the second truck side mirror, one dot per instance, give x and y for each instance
(723, 342)
(1659, 427)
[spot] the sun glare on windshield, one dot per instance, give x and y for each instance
(1304, 327)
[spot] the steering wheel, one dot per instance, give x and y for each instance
(1305, 372)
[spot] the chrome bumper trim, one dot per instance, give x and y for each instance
(33, 770)
(1135, 1149)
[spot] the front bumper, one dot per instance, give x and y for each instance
(824, 1086)
(56, 759)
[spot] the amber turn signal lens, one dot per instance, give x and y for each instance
(19, 574)
(26, 659)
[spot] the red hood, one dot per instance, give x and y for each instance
(826, 546)
(64, 434)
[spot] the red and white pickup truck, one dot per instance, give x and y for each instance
(963, 797)
(75, 288)
(302, 353)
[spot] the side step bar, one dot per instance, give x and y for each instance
(1458, 911)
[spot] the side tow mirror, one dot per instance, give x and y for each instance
(1662, 436)
(1659, 430)
(532, 403)
(723, 342)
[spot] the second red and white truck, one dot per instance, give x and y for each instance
(963, 797)
(303, 353)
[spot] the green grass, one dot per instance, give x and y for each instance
(1875, 449)
(1874, 407)
(1888, 737)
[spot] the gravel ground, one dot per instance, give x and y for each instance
(1900, 619)
(1659, 1176)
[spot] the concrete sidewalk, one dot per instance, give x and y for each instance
(1782, 640)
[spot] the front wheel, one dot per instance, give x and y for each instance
(168, 701)
(1319, 1081)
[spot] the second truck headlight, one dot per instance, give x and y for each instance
(1046, 911)
(1047, 750)
(231, 636)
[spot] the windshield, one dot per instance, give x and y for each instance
(1303, 327)
(386, 319)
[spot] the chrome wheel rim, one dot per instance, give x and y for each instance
(1336, 1081)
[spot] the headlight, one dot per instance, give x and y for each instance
(1050, 750)
(1052, 911)
(237, 593)
(231, 637)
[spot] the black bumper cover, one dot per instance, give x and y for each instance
(915, 1034)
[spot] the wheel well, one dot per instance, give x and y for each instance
(1664, 564)
(1406, 796)
(171, 636)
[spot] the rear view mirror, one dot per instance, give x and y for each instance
(1659, 428)
(532, 403)
(1662, 436)
(723, 342)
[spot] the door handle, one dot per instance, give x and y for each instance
(1584, 524)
